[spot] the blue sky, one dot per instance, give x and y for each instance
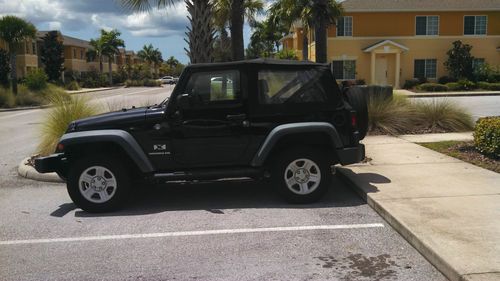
(84, 18)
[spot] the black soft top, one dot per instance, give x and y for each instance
(257, 62)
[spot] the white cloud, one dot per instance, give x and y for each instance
(54, 25)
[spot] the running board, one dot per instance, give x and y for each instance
(210, 174)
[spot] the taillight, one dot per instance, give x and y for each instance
(354, 119)
(60, 147)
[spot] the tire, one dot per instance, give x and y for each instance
(105, 178)
(357, 98)
(299, 166)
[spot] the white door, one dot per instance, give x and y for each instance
(381, 70)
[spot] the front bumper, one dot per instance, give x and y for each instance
(351, 155)
(49, 164)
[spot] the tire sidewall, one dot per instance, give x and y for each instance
(113, 165)
(281, 162)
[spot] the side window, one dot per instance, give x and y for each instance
(290, 86)
(219, 87)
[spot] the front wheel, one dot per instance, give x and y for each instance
(98, 184)
(302, 174)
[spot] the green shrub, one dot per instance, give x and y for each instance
(7, 98)
(72, 86)
(391, 116)
(443, 115)
(93, 79)
(432, 87)
(454, 86)
(466, 84)
(59, 117)
(142, 83)
(446, 80)
(483, 85)
(487, 136)
(410, 84)
(36, 80)
(4, 68)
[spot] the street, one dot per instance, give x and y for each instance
(213, 231)
(477, 106)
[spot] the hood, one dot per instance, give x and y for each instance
(111, 120)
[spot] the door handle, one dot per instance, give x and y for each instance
(236, 117)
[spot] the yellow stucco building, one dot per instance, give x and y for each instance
(386, 42)
(75, 55)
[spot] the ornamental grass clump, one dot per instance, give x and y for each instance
(63, 112)
(443, 115)
(391, 116)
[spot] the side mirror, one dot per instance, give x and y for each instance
(183, 101)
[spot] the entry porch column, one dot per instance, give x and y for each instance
(398, 69)
(372, 69)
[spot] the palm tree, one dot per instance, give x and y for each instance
(172, 62)
(223, 19)
(95, 52)
(14, 31)
(325, 12)
(315, 14)
(111, 42)
(200, 36)
(151, 56)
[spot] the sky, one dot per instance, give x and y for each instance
(164, 28)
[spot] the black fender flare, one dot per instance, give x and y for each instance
(294, 128)
(119, 137)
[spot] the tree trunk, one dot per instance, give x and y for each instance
(237, 20)
(320, 33)
(200, 36)
(305, 44)
(110, 67)
(100, 65)
(13, 69)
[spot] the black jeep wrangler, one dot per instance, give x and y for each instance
(283, 120)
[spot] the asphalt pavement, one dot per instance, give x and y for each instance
(216, 231)
(477, 106)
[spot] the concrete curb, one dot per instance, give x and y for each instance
(448, 95)
(421, 246)
(25, 108)
(93, 90)
(27, 171)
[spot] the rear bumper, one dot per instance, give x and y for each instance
(49, 164)
(351, 155)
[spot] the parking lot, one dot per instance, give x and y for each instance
(215, 231)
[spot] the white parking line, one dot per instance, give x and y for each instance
(192, 233)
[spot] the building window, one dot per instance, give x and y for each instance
(425, 68)
(475, 25)
(33, 45)
(27, 48)
(427, 25)
(344, 69)
(74, 53)
(477, 63)
(81, 54)
(344, 26)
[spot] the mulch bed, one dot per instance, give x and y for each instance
(466, 151)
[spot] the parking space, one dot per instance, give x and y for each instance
(216, 231)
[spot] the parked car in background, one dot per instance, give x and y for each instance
(168, 80)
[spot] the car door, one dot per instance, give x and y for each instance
(210, 128)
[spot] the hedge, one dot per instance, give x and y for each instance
(432, 87)
(487, 136)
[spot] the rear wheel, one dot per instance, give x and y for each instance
(357, 98)
(98, 184)
(302, 174)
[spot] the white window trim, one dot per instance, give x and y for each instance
(425, 68)
(463, 28)
(426, 25)
(343, 69)
(352, 28)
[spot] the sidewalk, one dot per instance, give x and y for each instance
(447, 209)
(411, 94)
